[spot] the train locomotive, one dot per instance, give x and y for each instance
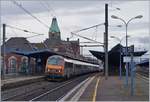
(58, 67)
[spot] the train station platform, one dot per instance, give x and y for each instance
(8, 82)
(97, 88)
(114, 89)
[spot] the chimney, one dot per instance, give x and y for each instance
(67, 39)
(78, 41)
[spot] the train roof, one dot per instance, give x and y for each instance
(79, 62)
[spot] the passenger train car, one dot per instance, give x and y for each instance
(58, 67)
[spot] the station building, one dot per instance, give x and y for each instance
(15, 64)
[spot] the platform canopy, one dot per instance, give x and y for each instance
(114, 54)
(35, 54)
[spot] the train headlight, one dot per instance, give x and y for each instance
(58, 70)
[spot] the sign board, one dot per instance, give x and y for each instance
(123, 49)
(130, 49)
(128, 59)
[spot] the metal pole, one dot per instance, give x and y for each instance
(3, 67)
(104, 51)
(120, 62)
(126, 56)
(132, 73)
(106, 41)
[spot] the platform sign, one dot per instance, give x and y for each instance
(123, 50)
(130, 49)
(128, 59)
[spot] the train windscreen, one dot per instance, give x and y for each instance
(55, 61)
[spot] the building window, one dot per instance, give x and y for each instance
(12, 65)
(24, 64)
(53, 35)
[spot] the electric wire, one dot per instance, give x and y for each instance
(85, 38)
(75, 33)
(46, 8)
(89, 27)
(27, 31)
(50, 7)
(20, 6)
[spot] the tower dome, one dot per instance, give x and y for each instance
(54, 31)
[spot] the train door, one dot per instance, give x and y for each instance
(74, 72)
(68, 69)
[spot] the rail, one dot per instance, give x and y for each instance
(41, 90)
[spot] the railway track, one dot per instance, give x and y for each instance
(143, 74)
(44, 91)
(59, 92)
(146, 79)
(50, 91)
(27, 90)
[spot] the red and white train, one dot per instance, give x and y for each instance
(58, 67)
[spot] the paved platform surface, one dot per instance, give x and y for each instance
(18, 81)
(113, 89)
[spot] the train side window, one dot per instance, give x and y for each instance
(79, 66)
(69, 65)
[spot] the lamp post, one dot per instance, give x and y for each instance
(120, 65)
(126, 25)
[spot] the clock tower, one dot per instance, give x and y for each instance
(54, 31)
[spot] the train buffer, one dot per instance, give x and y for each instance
(113, 89)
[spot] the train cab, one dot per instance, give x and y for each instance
(54, 67)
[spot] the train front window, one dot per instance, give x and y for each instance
(55, 61)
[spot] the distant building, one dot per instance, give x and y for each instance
(54, 42)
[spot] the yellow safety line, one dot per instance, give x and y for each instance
(95, 91)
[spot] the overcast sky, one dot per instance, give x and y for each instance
(74, 15)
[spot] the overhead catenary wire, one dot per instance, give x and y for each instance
(94, 36)
(75, 33)
(29, 13)
(24, 30)
(89, 28)
(50, 7)
(89, 42)
(111, 6)
(86, 38)
(46, 7)
(90, 45)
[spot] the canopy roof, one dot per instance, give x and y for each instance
(45, 53)
(114, 54)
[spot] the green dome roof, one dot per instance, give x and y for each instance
(54, 26)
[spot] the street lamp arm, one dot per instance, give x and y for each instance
(130, 20)
(137, 17)
(123, 21)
